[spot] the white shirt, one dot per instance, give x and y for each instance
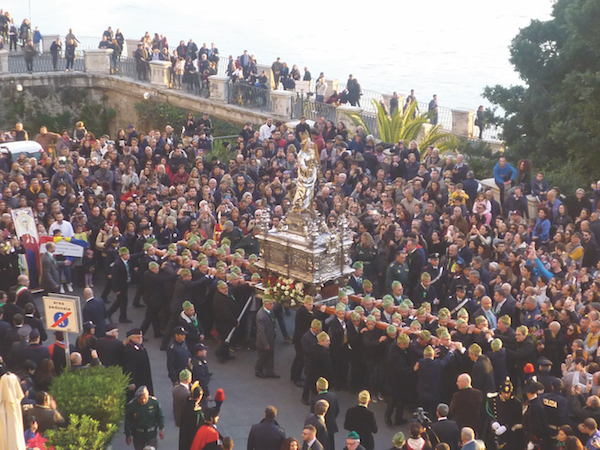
(65, 228)
(265, 131)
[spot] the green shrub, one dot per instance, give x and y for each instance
(81, 433)
(98, 392)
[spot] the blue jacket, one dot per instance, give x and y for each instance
(500, 173)
(542, 229)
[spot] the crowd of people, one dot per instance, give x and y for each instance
(480, 315)
(454, 296)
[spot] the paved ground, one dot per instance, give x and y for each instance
(246, 395)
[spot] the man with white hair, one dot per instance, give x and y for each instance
(345, 187)
(467, 436)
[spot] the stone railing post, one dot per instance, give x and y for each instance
(463, 122)
(332, 85)
(3, 61)
(47, 41)
(160, 73)
(97, 60)
(130, 47)
(281, 103)
(218, 87)
(344, 113)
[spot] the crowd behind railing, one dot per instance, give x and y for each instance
(192, 65)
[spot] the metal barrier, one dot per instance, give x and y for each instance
(127, 67)
(310, 109)
(41, 63)
(370, 120)
(83, 43)
(249, 96)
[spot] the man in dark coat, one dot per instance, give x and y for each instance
(265, 340)
(308, 341)
(467, 403)
(398, 368)
(154, 296)
(94, 311)
(302, 321)
(319, 362)
(317, 420)
(415, 265)
(429, 386)
(332, 412)
(482, 372)
(266, 435)
(110, 348)
(444, 430)
(524, 353)
(226, 312)
(137, 362)
(361, 420)
(50, 276)
(121, 277)
(338, 331)
(24, 294)
(535, 421)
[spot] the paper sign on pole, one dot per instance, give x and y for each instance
(63, 313)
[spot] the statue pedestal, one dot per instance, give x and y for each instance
(305, 249)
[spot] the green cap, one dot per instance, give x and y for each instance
(255, 276)
(221, 265)
(353, 435)
(396, 283)
(267, 298)
(506, 320)
(185, 272)
(184, 375)
(359, 309)
(187, 305)
(252, 257)
(123, 251)
(354, 316)
(523, 329)
(397, 316)
(371, 318)
(241, 252)
(403, 339)
(440, 330)
(428, 351)
(459, 322)
(152, 264)
(479, 320)
(358, 265)
(399, 440)
(221, 283)
(443, 315)
(186, 252)
(391, 329)
(409, 303)
(316, 323)
(462, 312)
(387, 301)
(444, 335)
(403, 307)
(415, 323)
(171, 252)
(203, 262)
(211, 242)
(220, 251)
(496, 344)
(425, 334)
(172, 246)
(151, 240)
(322, 336)
(147, 246)
(375, 310)
(367, 283)
(340, 307)
(475, 349)
(421, 311)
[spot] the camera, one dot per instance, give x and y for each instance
(420, 415)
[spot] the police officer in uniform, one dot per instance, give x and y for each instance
(355, 281)
(143, 420)
(506, 410)
(535, 420)
(398, 270)
(557, 408)
(200, 370)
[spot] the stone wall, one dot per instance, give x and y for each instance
(122, 95)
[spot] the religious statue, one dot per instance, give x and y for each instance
(308, 165)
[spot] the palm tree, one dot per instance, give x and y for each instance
(407, 125)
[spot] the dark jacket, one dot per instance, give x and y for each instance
(119, 275)
(332, 412)
(94, 311)
(362, 420)
(110, 351)
(466, 408)
(482, 374)
(319, 365)
(266, 435)
(445, 431)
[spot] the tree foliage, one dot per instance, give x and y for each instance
(55, 108)
(407, 125)
(554, 119)
(81, 433)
